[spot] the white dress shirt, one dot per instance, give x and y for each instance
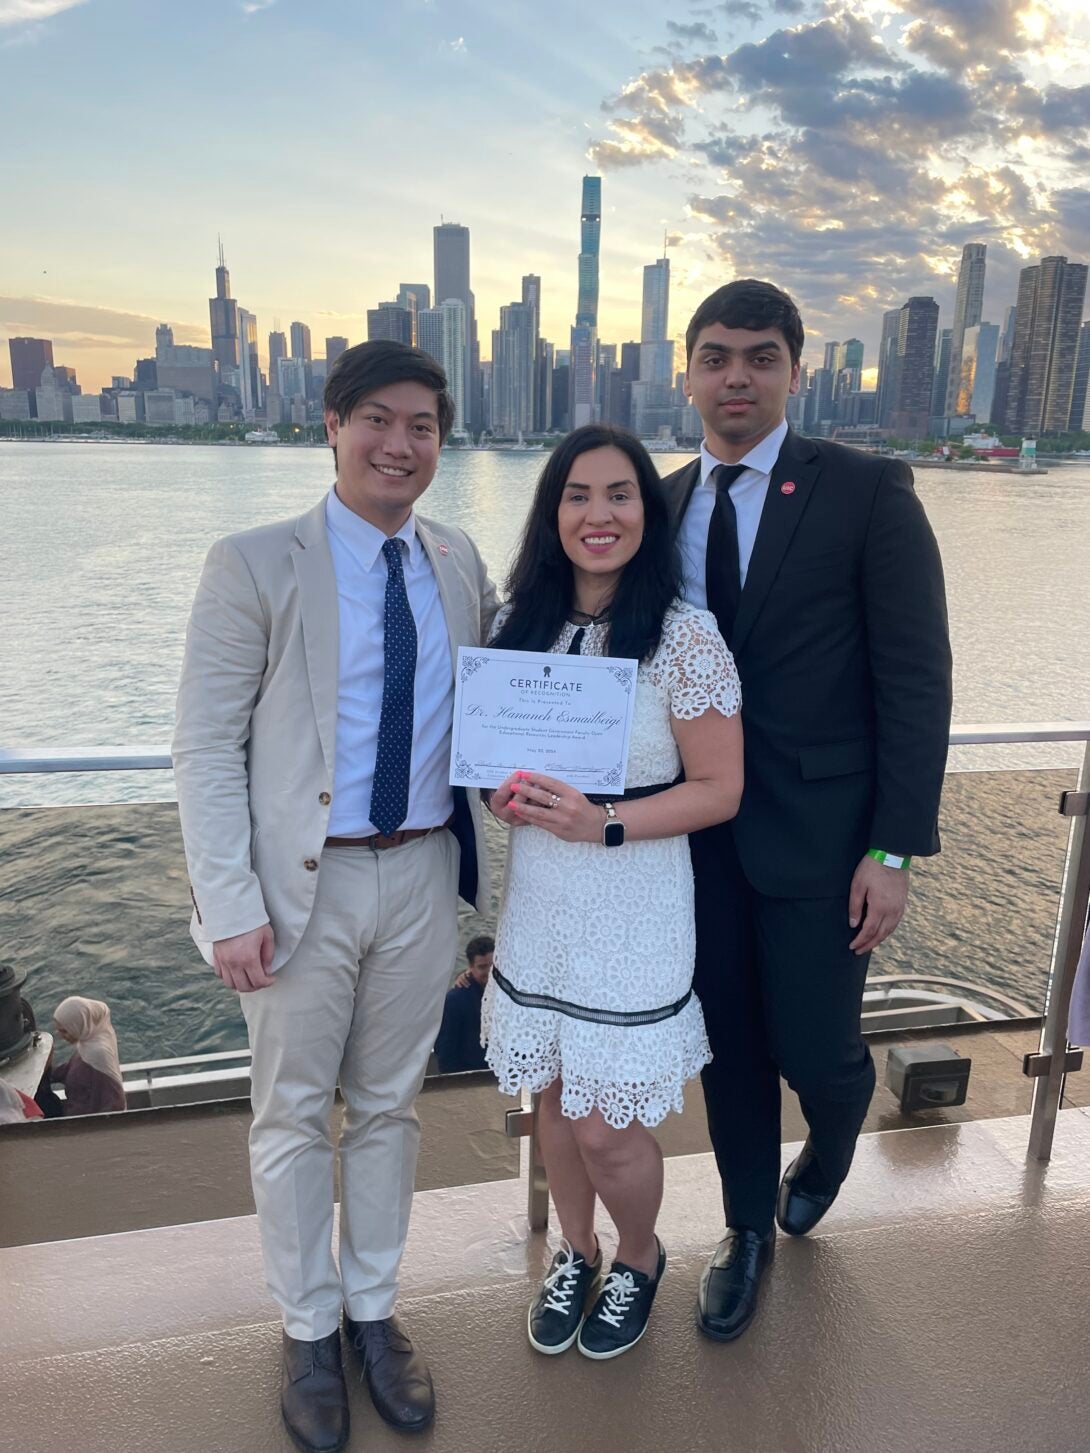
(748, 496)
(360, 569)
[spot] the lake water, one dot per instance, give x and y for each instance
(100, 552)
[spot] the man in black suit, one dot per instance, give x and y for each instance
(825, 578)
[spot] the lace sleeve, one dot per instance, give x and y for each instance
(700, 671)
(498, 621)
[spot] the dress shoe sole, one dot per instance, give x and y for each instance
(725, 1336)
(305, 1447)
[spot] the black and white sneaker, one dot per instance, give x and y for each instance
(556, 1313)
(618, 1318)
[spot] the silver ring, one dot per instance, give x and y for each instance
(554, 799)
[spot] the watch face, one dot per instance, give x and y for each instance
(613, 834)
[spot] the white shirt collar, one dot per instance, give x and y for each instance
(761, 458)
(362, 538)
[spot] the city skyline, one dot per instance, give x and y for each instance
(698, 125)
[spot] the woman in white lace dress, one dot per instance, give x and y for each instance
(591, 998)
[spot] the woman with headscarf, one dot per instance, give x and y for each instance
(92, 1076)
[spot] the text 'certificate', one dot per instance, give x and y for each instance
(566, 716)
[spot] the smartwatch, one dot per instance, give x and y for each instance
(613, 828)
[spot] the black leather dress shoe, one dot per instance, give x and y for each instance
(313, 1397)
(396, 1375)
(804, 1195)
(729, 1287)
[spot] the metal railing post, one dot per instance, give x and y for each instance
(537, 1193)
(1075, 895)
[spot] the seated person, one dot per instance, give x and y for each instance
(92, 1076)
(459, 1044)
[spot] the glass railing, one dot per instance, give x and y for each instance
(96, 901)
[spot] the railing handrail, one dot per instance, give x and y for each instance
(15, 761)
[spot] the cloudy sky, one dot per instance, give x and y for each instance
(846, 151)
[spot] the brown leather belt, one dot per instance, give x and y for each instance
(381, 840)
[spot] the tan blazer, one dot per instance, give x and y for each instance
(256, 722)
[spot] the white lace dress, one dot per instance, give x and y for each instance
(603, 939)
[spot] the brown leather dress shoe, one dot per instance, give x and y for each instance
(396, 1375)
(313, 1397)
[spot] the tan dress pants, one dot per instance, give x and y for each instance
(360, 1001)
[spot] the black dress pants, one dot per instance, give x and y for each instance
(782, 995)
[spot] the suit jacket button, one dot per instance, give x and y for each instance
(324, 798)
(311, 865)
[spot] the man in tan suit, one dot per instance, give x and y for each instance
(326, 851)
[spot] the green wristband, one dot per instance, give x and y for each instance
(888, 860)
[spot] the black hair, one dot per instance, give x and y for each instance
(540, 585)
(476, 948)
(359, 371)
(748, 303)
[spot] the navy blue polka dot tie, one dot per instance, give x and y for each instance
(390, 789)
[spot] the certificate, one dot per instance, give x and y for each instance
(565, 716)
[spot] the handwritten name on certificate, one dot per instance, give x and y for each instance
(567, 716)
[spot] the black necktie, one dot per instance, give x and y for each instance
(393, 757)
(723, 571)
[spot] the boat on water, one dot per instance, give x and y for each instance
(262, 436)
(518, 445)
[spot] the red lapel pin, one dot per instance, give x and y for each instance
(788, 487)
(444, 548)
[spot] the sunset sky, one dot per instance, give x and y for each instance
(844, 151)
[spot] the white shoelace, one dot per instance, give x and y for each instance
(618, 1292)
(562, 1281)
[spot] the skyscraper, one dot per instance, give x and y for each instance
(977, 387)
(942, 373)
(544, 363)
(1080, 393)
(223, 317)
(513, 348)
(28, 357)
(278, 348)
(413, 297)
(334, 347)
(164, 336)
(584, 335)
(451, 254)
(887, 366)
(249, 370)
(910, 415)
(531, 298)
(454, 327)
(1045, 346)
(968, 310)
(300, 342)
(390, 320)
(848, 366)
(429, 332)
(590, 245)
(656, 345)
(655, 321)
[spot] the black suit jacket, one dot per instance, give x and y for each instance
(843, 650)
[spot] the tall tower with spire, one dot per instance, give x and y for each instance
(223, 315)
(584, 335)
